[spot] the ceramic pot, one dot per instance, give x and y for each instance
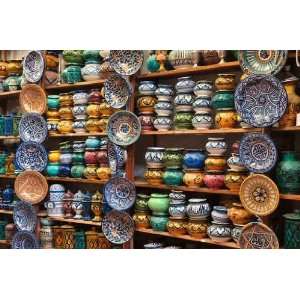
(77, 157)
(65, 157)
(103, 124)
(92, 142)
(193, 178)
(197, 228)
(173, 157)
(14, 67)
(79, 112)
(10, 230)
(177, 196)
(141, 202)
(194, 158)
(146, 121)
(52, 125)
(92, 125)
(77, 170)
(291, 238)
(225, 118)
(159, 221)
(154, 157)
(78, 209)
(57, 237)
(71, 74)
(8, 194)
(173, 176)
(180, 59)
(91, 239)
(141, 220)
(53, 169)
(68, 236)
(91, 72)
(54, 156)
(53, 114)
(220, 214)
(55, 208)
(184, 102)
(104, 173)
(91, 56)
(185, 84)
(102, 157)
(66, 99)
(46, 235)
(154, 176)
(164, 92)
(53, 101)
(210, 57)
(163, 109)
(203, 88)
(95, 96)
(183, 120)
(223, 99)
(73, 56)
(234, 163)
(152, 63)
(159, 203)
(202, 105)
(90, 156)
(3, 69)
(93, 110)
(219, 232)
(79, 237)
(146, 104)
(215, 163)
(105, 110)
(56, 192)
(225, 82)
(216, 146)
(64, 170)
(236, 232)
(176, 226)
(234, 179)
(78, 146)
(80, 98)
(162, 123)
(79, 126)
(65, 126)
(11, 83)
(198, 209)
(90, 172)
(202, 120)
(214, 179)
(177, 209)
(239, 215)
(147, 88)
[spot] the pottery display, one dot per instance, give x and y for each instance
(203, 88)
(216, 146)
(154, 157)
(214, 179)
(225, 118)
(193, 178)
(197, 228)
(176, 226)
(173, 176)
(219, 232)
(233, 179)
(225, 82)
(198, 209)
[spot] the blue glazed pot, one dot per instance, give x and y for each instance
(159, 221)
(8, 194)
(173, 176)
(8, 125)
(92, 142)
(64, 170)
(53, 169)
(194, 159)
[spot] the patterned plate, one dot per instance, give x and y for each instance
(124, 128)
(33, 66)
(258, 153)
(31, 186)
(258, 236)
(120, 193)
(117, 156)
(33, 128)
(116, 91)
(31, 155)
(24, 216)
(24, 240)
(118, 227)
(33, 99)
(260, 100)
(262, 62)
(126, 62)
(259, 195)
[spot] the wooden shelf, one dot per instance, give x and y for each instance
(5, 242)
(6, 137)
(292, 197)
(78, 85)
(6, 212)
(10, 94)
(83, 134)
(188, 238)
(83, 222)
(284, 129)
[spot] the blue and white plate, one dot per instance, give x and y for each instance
(33, 66)
(117, 156)
(118, 227)
(260, 100)
(24, 240)
(120, 193)
(33, 128)
(31, 155)
(24, 216)
(123, 128)
(258, 153)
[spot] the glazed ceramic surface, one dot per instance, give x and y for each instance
(126, 62)
(185, 85)
(260, 100)
(202, 105)
(194, 158)
(198, 209)
(33, 66)
(117, 156)
(173, 176)
(216, 146)
(181, 58)
(203, 88)
(24, 240)
(33, 99)
(202, 121)
(258, 152)
(147, 88)
(219, 232)
(24, 216)
(154, 157)
(291, 230)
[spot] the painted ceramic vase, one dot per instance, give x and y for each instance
(54, 156)
(238, 215)
(180, 59)
(159, 203)
(141, 202)
(183, 120)
(53, 169)
(146, 121)
(215, 163)
(90, 156)
(159, 221)
(164, 92)
(65, 157)
(216, 146)
(80, 98)
(194, 158)
(234, 163)
(154, 157)
(223, 99)
(97, 205)
(146, 104)
(225, 82)
(291, 238)
(141, 220)
(220, 214)
(176, 226)
(202, 120)
(185, 84)
(225, 118)
(147, 87)
(173, 176)
(184, 102)
(8, 194)
(236, 232)
(210, 57)
(154, 176)
(53, 101)
(214, 179)
(90, 172)
(219, 233)
(197, 228)
(77, 157)
(203, 88)
(287, 173)
(173, 157)
(65, 126)
(202, 105)
(152, 63)
(234, 179)
(193, 178)
(92, 142)
(198, 209)
(104, 173)
(71, 74)
(77, 170)
(64, 170)
(163, 123)
(177, 209)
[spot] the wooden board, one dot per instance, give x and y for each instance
(83, 222)
(78, 85)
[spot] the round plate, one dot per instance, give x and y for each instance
(259, 195)
(24, 240)
(258, 236)
(120, 193)
(124, 128)
(116, 91)
(260, 100)
(126, 62)
(33, 66)
(24, 216)
(262, 62)
(117, 156)
(33, 128)
(31, 187)
(31, 155)
(258, 152)
(118, 227)
(33, 99)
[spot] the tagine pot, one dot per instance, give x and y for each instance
(173, 176)
(154, 176)
(193, 178)
(239, 215)
(176, 226)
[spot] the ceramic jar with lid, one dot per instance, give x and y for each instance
(216, 146)
(219, 232)
(176, 196)
(77, 204)
(223, 99)
(203, 88)
(233, 179)
(291, 230)
(173, 157)
(164, 92)
(225, 82)
(214, 179)
(154, 157)
(154, 176)
(198, 209)
(159, 203)
(65, 126)
(193, 178)
(225, 118)
(176, 226)
(215, 163)
(239, 215)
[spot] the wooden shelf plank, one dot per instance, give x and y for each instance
(75, 221)
(292, 197)
(6, 137)
(10, 94)
(5, 242)
(284, 129)
(6, 212)
(191, 71)
(68, 86)
(83, 134)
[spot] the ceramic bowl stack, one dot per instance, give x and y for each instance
(80, 100)
(65, 124)
(52, 113)
(155, 165)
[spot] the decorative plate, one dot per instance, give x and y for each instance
(24, 240)
(117, 156)
(260, 100)
(126, 62)
(33, 128)
(118, 227)
(120, 193)
(31, 155)
(259, 195)
(258, 152)
(31, 186)
(258, 236)
(262, 62)
(123, 128)
(33, 99)
(24, 216)
(116, 91)
(33, 66)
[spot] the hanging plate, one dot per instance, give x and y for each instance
(33, 66)
(24, 216)
(24, 240)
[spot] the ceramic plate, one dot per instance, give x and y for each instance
(258, 153)
(259, 195)
(33, 66)
(24, 216)
(260, 100)
(31, 186)
(33, 128)
(31, 155)
(262, 62)
(126, 62)
(118, 227)
(33, 99)
(117, 156)
(123, 128)
(258, 236)
(120, 193)
(116, 91)
(24, 240)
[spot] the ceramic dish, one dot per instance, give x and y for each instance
(33, 99)
(116, 91)
(24, 216)
(258, 153)
(31, 155)
(117, 156)
(33, 66)
(118, 227)
(24, 240)
(123, 128)
(259, 195)
(260, 100)
(262, 62)
(258, 236)
(31, 186)
(120, 193)
(126, 62)
(33, 128)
